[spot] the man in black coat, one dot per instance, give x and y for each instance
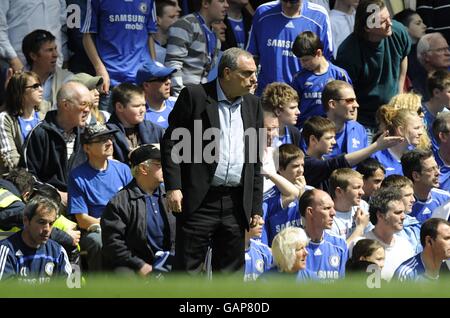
(136, 228)
(212, 175)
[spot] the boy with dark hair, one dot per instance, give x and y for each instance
(315, 74)
(127, 119)
(373, 174)
(319, 135)
(280, 203)
(441, 129)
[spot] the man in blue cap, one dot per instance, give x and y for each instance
(155, 80)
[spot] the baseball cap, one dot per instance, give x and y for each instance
(89, 81)
(97, 130)
(143, 153)
(152, 71)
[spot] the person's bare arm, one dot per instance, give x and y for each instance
(383, 142)
(85, 221)
(92, 53)
(402, 77)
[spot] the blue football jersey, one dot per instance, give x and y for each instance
(309, 87)
(422, 210)
(29, 265)
(121, 35)
(412, 269)
(161, 117)
(273, 44)
(258, 259)
(391, 164)
(350, 139)
(327, 258)
(276, 217)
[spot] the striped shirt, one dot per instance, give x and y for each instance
(187, 51)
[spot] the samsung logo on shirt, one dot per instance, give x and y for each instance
(280, 43)
(135, 18)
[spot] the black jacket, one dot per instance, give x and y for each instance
(45, 153)
(124, 229)
(193, 178)
(149, 133)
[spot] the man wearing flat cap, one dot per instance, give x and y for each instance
(136, 227)
(92, 184)
(155, 80)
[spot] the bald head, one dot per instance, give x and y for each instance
(74, 103)
(71, 90)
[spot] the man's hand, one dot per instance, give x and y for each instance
(300, 183)
(174, 200)
(145, 270)
(361, 218)
(101, 71)
(76, 235)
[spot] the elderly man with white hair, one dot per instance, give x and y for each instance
(433, 54)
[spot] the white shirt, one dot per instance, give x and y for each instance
(399, 251)
(341, 26)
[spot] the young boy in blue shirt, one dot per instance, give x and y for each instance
(315, 74)
(319, 135)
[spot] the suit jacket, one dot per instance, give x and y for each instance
(199, 103)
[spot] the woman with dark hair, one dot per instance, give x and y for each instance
(20, 116)
(365, 252)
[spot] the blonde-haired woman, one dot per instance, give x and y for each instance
(413, 102)
(289, 254)
(20, 116)
(398, 122)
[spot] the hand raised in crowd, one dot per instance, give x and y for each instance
(386, 141)
(174, 200)
(361, 218)
(300, 183)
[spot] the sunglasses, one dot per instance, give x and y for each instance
(420, 111)
(102, 139)
(347, 100)
(159, 79)
(34, 86)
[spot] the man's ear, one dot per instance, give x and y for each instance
(415, 176)
(119, 107)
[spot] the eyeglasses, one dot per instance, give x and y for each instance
(441, 50)
(81, 105)
(349, 100)
(34, 86)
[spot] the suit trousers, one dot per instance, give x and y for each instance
(218, 223)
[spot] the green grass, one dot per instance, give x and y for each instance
(223, 287)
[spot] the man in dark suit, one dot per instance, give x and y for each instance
(214, 197)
